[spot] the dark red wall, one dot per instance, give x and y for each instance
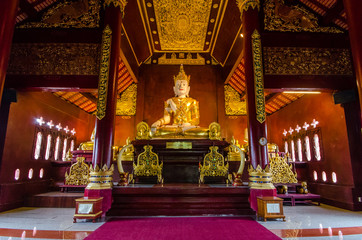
(19, 140)
(336, 157)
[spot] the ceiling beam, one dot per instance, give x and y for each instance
(333, 13)
(64, 83)
(89, 96)
(279, 83)
(312, 40)
(28, 8)
(269, 98)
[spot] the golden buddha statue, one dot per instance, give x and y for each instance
(181, 114)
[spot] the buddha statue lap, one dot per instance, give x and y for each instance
(181, 113)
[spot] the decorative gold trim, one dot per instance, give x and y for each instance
(100, 178)
(148, 164)
(233, 105)
(143, 131)
(173, 60)
(78, 173)
(244, 5)
(283, 18)
(214, 131)
(258, 76)
(104, 72)
(260, 178)
(282, 172)
(116, 3)
(213, 165)
(69, 14)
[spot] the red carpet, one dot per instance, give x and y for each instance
(182, 228)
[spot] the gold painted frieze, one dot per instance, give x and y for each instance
(180, 58)
(282, 18)
(69, 14)
(44, 59)
(307, 61)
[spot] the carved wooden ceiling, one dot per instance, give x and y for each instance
(202, 30)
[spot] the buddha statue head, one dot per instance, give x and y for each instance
(182, 81)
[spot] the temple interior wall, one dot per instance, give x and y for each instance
(334, 143)
(154, 87)
(18, 150)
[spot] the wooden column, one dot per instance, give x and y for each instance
(353, 9)
(8, 11)
(100, 176)
(107, 89)
(254, 82)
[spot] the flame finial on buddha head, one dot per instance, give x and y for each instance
(182, 75)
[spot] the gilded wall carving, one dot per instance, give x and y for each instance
(126, 105)
(54, 59)
(69, 14)
(182, 25)
(307, 61)
(283, 18)
(233, 104)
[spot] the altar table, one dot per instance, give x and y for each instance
(181, 157)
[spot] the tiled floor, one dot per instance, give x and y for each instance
(305, 222)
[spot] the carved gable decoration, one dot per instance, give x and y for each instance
(182, 25)
(126, 105)
(283, 18)
(233, 104)
(307, 61)
(54, 59)
(70, 14)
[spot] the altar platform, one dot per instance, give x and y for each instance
(176, 199)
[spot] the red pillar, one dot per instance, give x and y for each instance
(103, 142)
(8, 11)
(256, 119)
(101, 179)
(353, 9)
(259, 179)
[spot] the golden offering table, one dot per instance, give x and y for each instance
(181, 157)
